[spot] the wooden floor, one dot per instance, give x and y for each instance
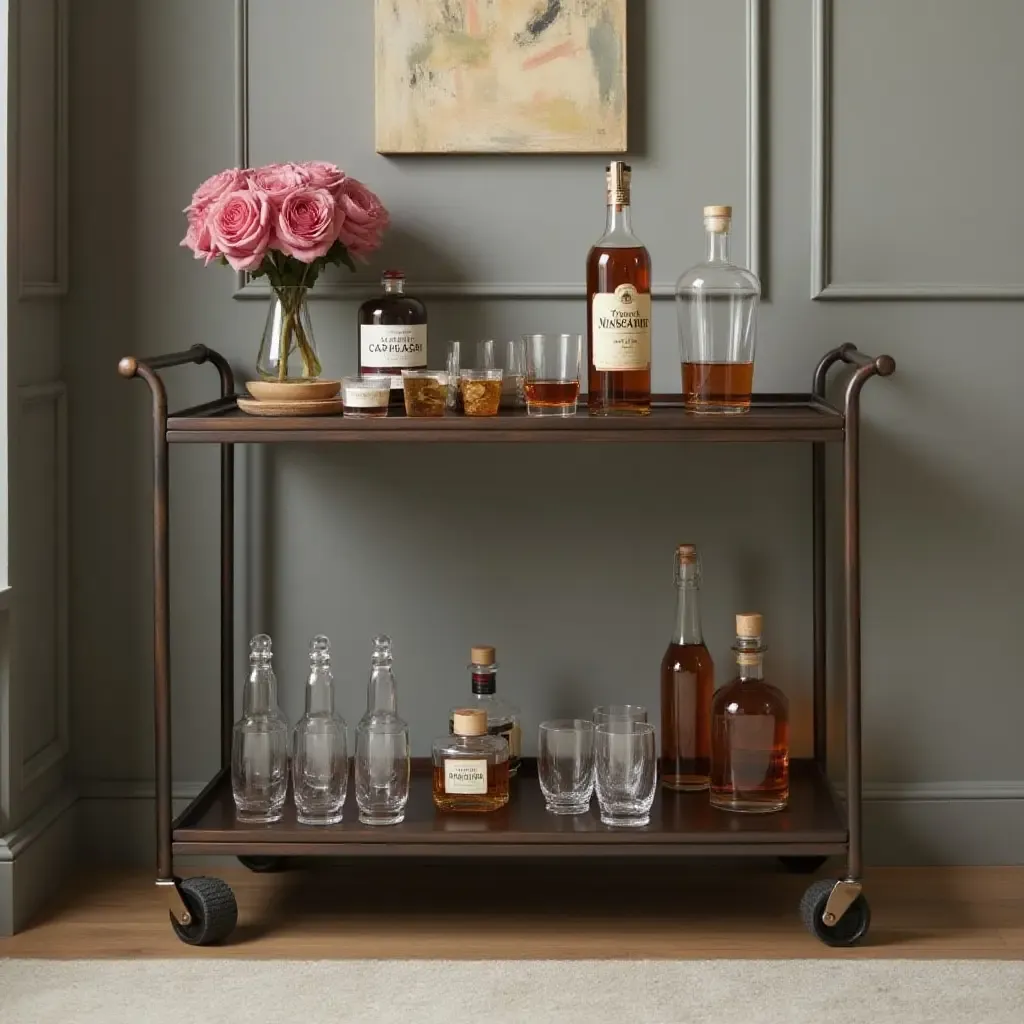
(496, 910)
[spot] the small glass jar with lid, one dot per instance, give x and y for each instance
(470, 767)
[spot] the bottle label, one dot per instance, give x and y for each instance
(363, 398)
(621, 329)
(466, 776)
(393, 347)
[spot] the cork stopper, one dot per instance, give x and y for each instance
(618, 176)
(469, 722)
(686, 554)
(748, 624)
(717, 218)
(481, 655)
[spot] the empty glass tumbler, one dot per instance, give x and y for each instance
(382, 769)
(625, 771)
(624, 712)
(552, 373)
(565, 764)
(259, 742)
(509, 357)
(320, 748)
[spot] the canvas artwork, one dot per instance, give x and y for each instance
(501, 76)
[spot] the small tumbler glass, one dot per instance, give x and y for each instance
(552, 385)
(382, 770)
(426, 392)
(565, 764)
(619, 712)
(626, 771)
(510, 358)
(481, 392)
(366, 396)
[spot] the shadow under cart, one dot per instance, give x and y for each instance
(815, 825)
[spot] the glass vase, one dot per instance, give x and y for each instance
(288, 350)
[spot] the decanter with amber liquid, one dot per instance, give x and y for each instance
(471, 766)
(687, 686)
(749, 732)
(618, 309)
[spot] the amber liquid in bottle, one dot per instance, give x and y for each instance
(749, 733)
(619, 329)
(687, 686)
(718, 385)
(495, 797)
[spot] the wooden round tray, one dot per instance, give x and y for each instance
(322, 407)
(293, 390)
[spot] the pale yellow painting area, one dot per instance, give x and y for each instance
(501, 76)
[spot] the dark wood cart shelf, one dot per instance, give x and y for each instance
(772, 418)
(681, 823)
(816, 824)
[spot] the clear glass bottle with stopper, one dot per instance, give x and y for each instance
(502, 717)
(259, 742)
(749, 732)
(716, 305)
(382, 762)
(320, 750)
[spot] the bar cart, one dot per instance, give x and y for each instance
(816, 824)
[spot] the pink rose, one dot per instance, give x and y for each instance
(198, 237)
(276, 180)
(240, 227)
(214, 188)
(307, 224)
(365, 217)
(321, 174)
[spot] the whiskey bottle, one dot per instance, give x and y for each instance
(749, 732)
(392, 333)
(687, 686)
(619, 309)
(502, 718)
(470, 767)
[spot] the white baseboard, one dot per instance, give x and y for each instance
(36, 859)
(972, 823)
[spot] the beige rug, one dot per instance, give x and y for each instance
(211, 991)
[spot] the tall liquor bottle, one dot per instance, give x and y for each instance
(502, 717)
(749, 732)
(619, 309)
(392, 333)
(687, 686)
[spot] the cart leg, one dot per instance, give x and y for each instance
(820, 606)
(227, 599)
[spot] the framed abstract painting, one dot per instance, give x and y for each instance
(500, 76)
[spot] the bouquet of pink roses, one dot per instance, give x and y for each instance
(285, 222)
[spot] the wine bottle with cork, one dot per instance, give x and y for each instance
(750, 732)
(470, 766)
(502, 717)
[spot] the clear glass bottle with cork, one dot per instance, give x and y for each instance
(749, 732)
(502, 717)
(471, 767)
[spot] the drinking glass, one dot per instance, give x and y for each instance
(552, 373)
(509, 357)
(565, 764)
(625, 771)
(382, 769)
(452, 366)
(619, 712)
(365, 396)
(426, 392)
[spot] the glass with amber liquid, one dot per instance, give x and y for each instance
(716, 305)
(687, 686)
(470, 767)
(618, 309)
(749, 732)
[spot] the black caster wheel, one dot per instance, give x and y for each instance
(262, 865)
(849, 930)
(213, 908)
(802, 865)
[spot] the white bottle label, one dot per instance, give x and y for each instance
(465, 776)
(621, 329)
(394, 347)
(365, 398)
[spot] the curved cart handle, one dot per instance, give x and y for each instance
(130, 366)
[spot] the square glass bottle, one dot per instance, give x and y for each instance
(470, 767)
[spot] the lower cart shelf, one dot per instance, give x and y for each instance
(814, 824)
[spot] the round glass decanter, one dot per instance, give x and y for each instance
(320, 750)
(259, 742)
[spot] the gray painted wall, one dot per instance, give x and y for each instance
(562, 557)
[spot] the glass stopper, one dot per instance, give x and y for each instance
(320, 649)
(381, 650)
(260, 649)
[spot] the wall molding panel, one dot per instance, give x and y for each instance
(34, 764)
(249, 289)
(822, 132)
(57, 286)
